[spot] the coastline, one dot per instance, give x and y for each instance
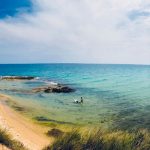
(30, 134)
(33, 135)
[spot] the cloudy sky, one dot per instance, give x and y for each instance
(76, 31)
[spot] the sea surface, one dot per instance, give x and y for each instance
(116, 96)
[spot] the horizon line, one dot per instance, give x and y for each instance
(74, 63)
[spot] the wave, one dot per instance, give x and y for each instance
(51, 82)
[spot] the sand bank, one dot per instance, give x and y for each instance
(22, 129)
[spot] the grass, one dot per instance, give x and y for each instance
(5, 139)
(102, 140)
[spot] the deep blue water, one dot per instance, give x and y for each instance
(114, 95)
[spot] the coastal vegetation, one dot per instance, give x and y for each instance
(55, 133)
(6, 139)
(88, 139)
(102, 140)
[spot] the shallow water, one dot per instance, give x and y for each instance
(114, 95)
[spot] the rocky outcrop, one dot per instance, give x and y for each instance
(51, 88)
(11, 78)
(54, 89)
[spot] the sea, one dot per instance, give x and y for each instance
(115, 96)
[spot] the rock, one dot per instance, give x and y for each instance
(11, 78)
(55, 133)
(54, 89)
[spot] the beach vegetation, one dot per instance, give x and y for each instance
(102, 140)
(6, 139)
(55, 132)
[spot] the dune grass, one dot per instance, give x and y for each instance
(102, 140)
(6, 139)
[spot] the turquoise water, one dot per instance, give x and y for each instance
(114, 95)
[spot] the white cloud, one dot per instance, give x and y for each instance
(97, 31)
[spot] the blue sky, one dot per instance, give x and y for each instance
(85, 31)
(13, 7)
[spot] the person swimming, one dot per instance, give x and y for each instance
(76, 101)
(79, 102)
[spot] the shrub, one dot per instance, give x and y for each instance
(69, 141)
(6, 140)
(55, 133)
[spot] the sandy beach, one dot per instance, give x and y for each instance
(30, 134)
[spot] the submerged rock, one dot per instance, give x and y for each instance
(17, 78)
(54, 89)
(44, 119)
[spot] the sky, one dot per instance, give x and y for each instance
(75, 31)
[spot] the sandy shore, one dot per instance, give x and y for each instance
(30, 134)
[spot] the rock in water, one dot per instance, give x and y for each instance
(54, 89)
(11, 78)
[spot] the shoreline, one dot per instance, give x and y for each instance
(33, 135)
(30, 134)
